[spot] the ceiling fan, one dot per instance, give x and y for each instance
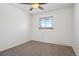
(35, 5)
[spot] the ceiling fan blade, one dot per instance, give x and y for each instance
(42, 3)
(41, 8)
(31, 9)
(26, 3)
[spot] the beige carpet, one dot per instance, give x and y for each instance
(36, 48)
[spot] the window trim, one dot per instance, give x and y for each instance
(45, 19)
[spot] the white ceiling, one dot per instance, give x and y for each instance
(47, 7)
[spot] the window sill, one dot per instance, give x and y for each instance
(45, 28)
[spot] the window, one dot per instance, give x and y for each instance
(46, 23)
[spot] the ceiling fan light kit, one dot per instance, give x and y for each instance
(35, 5)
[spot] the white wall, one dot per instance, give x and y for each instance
(15, 27)
(76, 29)
(62, 32)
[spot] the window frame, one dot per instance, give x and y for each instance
(45, 18)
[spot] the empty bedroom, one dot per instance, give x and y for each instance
(39, 29)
